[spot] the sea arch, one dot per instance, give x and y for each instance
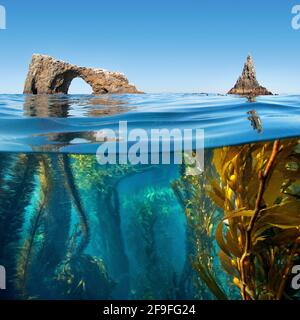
(50, 76)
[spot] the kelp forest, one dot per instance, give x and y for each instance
(73, 229)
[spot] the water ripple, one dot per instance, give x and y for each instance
(53, 123)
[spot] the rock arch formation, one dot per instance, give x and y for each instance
(50, 76)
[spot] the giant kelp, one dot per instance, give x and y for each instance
(258, 190)
(67, 198)
(56, 221)
(99, 186)
(202, 216)
(76, 199)
(83, 277)
(40, 246)
(72, 229)
(150, 212)
(32, 241)
(16, 188)
(255, 188)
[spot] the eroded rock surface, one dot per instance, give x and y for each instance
(247, 84)
(50, 76)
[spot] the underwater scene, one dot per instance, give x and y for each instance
(73, 229)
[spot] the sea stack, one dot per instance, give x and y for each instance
(247, 84)
(47, 75)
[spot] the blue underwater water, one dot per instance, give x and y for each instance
(71, 228)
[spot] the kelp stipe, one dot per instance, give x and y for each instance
(15, 195)
(257, 187)
(47, 234)
(75, 196)
(31, 243)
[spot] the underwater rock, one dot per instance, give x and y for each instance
(50, 76)
(255, 119)
(247, 84)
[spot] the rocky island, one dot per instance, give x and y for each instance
(247, 84)
(50, 76)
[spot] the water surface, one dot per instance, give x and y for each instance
(56, 123)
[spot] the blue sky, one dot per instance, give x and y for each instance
(162, 46)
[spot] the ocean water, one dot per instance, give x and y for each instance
(71, 228)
